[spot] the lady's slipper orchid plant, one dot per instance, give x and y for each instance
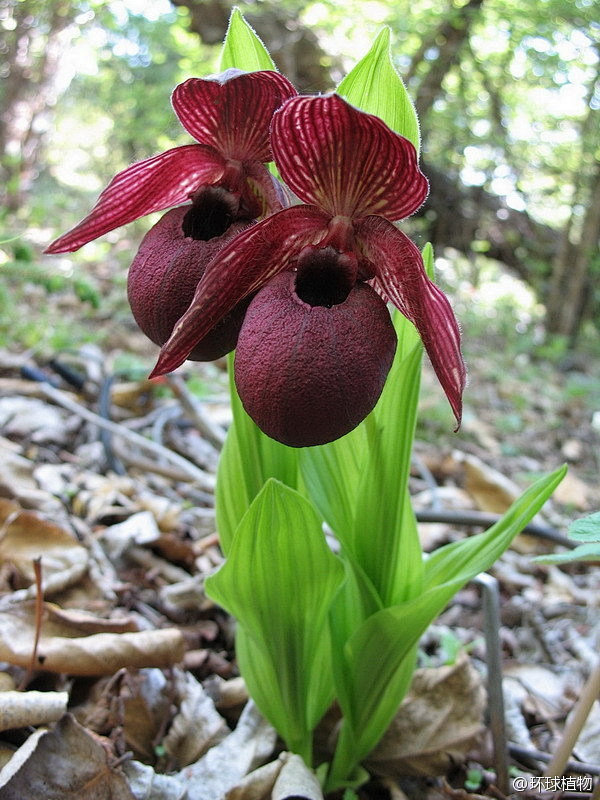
(316, 345)
(222, 180)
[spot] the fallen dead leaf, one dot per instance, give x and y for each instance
(491, 490)
(572, 491)
(437, 723)
(20, 709)
(198, 725)
(296, 780)
(258, 784)
(61, 649)
(24, 537)
(63, 764)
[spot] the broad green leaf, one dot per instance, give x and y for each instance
(373, 85)
(242, 48)
(586, 529)
(278, 581)
(585, 552)
(249, 458)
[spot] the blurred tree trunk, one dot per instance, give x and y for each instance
(294, 48)
(447, 39)
(31, 40)
(571, 291)
(456, 215)
(570, 297)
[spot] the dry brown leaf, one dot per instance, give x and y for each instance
(588, 742)
(145, 782)
(25, 536)
(437, 723)
(225, 764)
(296, 782)
(258, 784)
(18, 481)
(60, 649)
(491, 490)
(138, 529)
(63, 764)
(197, 726)
(33, 419)
(19, 709)
(572, 491)
(541, 691)
(227, 694)
(82, 622)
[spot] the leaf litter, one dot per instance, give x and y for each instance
(132, 691)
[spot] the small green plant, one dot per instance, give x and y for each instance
(586, 531)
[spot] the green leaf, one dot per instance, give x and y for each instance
(373, 85)
(462, 560)
(242, 48)
(585, 552)
(249, 458)
(278, 581)
(331, 475)
(383, 539)
(586, 529)
(379, 656)
(428, 260)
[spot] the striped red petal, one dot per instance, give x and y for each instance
(151, 185)
(344, 160)
(232, 112)
(401, 276)
(242, 267)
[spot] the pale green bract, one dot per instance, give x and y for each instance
(373, 85)
(242, 48)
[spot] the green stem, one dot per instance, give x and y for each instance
(344, 761)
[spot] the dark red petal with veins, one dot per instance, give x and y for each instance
(310, 374)
(344, 160)
(163, 278)
(401, 275)
(150, 185)
(232, 115)
(246, 264)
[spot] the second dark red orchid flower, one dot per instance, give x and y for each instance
(316, 345)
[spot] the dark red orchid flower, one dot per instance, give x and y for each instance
(295, 371)
(225, 184)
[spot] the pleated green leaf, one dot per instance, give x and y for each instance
(242, 48)
(278, 581)
(373, 85)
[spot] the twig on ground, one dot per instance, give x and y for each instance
(590, 693)
(204, 479)
(211, 431)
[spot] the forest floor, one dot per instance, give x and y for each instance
(126, 533)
